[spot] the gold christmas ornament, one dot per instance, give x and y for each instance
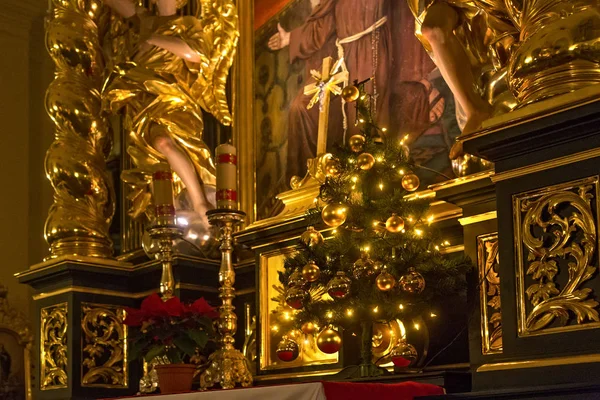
(309, 328)
(357, 143)
(332, 167)
(412, 282)
(339, 286)
(311, 272)
(296, 297)
(363, 267)
(311, 237)
(329, 341)
(350, 93)
(334, 214)
(404, 354)
(394, 224)
(410, 182)
(296, 279)
(365, 161)
(287, 349)
(385, 281)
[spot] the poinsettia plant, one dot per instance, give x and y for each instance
(170, 328)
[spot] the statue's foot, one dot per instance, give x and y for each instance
(474, 122)
(456, 151)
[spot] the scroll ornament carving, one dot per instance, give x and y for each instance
(104, 346)
(550, 237)
(53, 357)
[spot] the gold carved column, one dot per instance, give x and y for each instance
(83, 208)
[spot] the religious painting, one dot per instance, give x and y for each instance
(277, 325)
(12, 371)
(376, 39)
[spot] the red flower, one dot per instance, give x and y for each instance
(153, 307)
(201, 307)
(134, 317)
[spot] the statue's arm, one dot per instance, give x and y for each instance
(176, 46)
(125, 8)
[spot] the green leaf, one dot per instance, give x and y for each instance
(137, 348)
(185, 344)
(155, 351)
(199, 337)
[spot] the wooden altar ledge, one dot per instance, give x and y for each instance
(313, 391)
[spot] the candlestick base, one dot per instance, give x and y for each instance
(228, 367)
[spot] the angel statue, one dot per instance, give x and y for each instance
(168, 68)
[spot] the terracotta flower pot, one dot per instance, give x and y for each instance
(175, 378)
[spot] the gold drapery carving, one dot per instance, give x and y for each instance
(104, 346)
(491, 314)
(53, 347)
(84, 200)
(557, 227)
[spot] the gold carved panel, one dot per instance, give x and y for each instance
(104, 346)
(53, 347)
(489, 278)
(556, 241)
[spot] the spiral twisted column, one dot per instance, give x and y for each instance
(75, 164)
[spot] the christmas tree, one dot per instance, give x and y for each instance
(381, 261)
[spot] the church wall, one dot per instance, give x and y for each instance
(25, 133)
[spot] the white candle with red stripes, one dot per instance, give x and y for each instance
(162, 190)
(226, 156)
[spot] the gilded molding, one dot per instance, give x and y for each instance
(555, 232)
(478, 218)
(103, 346)
(489, 291)
(53, 347)
(546, 165)
(540, 363)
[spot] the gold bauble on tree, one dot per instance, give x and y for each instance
(365, 161)
(412, 282)
(334, 214)
(311, 272)
(339, 286)
(385, 281)
(410, 182)
(309, 328)
(329, 341)
(311, 237)
(332, 167)
(403, 354)
(296, 297)
(287, 349)
(350, 93)
(363, 267)
(357, 143)
(394, 224)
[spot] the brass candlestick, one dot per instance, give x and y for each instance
(228, 366)
(165, 233)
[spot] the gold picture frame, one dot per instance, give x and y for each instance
(271, 262)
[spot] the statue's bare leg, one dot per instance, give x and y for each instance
(453, 62)
(184, 168)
